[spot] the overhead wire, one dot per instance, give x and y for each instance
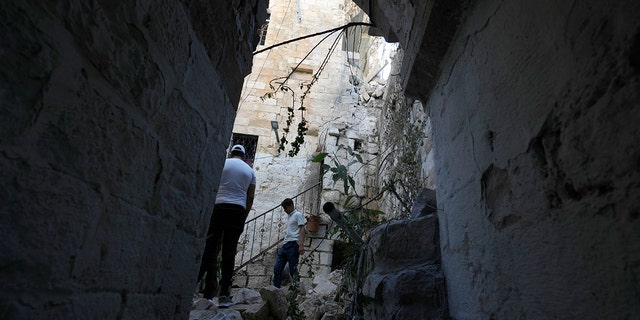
(279, 27)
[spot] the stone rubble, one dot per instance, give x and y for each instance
(316, 301)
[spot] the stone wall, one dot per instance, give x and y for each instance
(115, 120)
(535, 130)
(280, 175)
(533, 109)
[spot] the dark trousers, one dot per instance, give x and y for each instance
(288, 253)
(225, 228)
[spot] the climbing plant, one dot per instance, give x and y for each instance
(305, 87)
(357, 215)
(403, 182)
(293, 311)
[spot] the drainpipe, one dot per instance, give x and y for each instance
(330, 209)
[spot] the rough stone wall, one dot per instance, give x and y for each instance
(403, 278)
(535, 126)
(115, 120)
(533, 115)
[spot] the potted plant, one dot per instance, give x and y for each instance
(313, 223)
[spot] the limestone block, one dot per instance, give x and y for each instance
(321, 270)
(256, 311)
(333, 131)
(246, 296)
(260, 281)
(425, 204)
(304, 270)
(412, 293)
(369, 88)
(333, 311)
(202, 304)
(240, 279)
(330, 195)
(325, 259)
(322, 228)
(372, 148)
(313, 307)
(227, 314)
(256, 269)
(364, 97)
(404, 242)
(324, 288)
(322, 245)
(203, 314)
(277, 301)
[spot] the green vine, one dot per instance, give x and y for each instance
(308, 261)
(361, 219)
(294, 312)
(303, 125)
(404, 182)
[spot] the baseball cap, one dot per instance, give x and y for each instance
(238, 147)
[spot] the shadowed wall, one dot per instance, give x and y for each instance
(115, 120)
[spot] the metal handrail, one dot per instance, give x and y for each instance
(270, 238)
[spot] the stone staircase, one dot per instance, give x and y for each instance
(399, 276)
(264, 232)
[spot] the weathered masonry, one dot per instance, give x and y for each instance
(116, 117)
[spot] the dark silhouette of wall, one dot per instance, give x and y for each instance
(534, 108)
(115, 120)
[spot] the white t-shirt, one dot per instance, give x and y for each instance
(236, 178)
(296, 219)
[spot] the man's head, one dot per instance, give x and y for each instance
(287, 205)
(237, 151)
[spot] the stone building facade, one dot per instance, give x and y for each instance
(336, 112)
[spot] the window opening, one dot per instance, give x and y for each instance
(263, 30)
(357, 145)
(352, 39)
(250, 144)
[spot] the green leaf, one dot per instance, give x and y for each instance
(359, 158)
(373, 212)
(347, 202)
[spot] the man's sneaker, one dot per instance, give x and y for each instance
(224, 302)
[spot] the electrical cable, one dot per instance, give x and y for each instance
(265, 58)
(348, 25)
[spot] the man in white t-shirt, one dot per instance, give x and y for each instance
(233, 203)
(293, 246)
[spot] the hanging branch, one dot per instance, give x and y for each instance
(303, 125)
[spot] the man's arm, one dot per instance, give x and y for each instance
(302, 233)
(250, 194)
